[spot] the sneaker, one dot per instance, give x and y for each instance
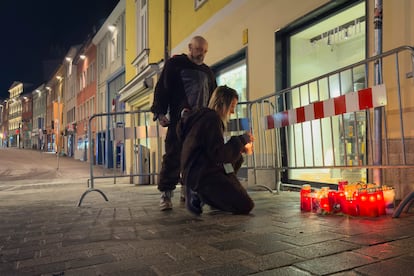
(193, 202)
(165, 203)
(182, 195)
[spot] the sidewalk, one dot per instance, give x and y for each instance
(43, 232)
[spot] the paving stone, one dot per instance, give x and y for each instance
(91, 260)
(322, 249)
(347, 273)
(307, 239)
(228, 270)
(283, 271)
(20, 254)
(44, 232)
(54, 267)
(271, 261)
(368, 239)
(223, 257)
(263, 248)
(334, 263)
(390, 267)
(404, 243)
(382, 251)
(170, 267)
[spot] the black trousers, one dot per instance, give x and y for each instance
(225, 192)
(170, 167)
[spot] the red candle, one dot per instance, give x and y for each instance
(363, 203)
(332, 200)
(305, 198)
(315, 202)
(342, 184)
(341, 199)
(380, 202)
(367, 202)
(324, 204)
(352, 206)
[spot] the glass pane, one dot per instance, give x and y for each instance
(336, 141)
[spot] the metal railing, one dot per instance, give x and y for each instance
(344, 142)
(131, 135)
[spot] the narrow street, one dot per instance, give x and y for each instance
(43, 232)
(30, 166)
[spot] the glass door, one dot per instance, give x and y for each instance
(334, 42)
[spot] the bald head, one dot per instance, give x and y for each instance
(197, 49)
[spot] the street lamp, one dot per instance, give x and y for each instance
(59, 78)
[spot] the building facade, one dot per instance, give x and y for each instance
(4, 114)
(85, 99)
(39, 115)
(27, 120)
(259, 57)
(69, 123)
(257, 47)
(110, 44)
(15, 115)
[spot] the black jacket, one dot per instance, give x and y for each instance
(204, 150)
(182, 84)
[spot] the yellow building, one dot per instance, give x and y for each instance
(15, 115)
(263, 46)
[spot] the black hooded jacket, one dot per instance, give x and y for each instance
(182, 84)
(204, 150)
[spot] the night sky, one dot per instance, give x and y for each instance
(35, 31)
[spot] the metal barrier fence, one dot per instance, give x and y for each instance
(338, 126)
(133, 135)
(335, 126)
(122, 136)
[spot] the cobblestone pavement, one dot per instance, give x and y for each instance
(44, 232)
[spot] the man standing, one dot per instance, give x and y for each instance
(185, 83)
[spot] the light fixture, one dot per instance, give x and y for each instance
(48, 88)
(82, 57)
(68, 59)
(38, 91)
(59, 78)
(111, 28)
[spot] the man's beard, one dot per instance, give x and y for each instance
(197, 59)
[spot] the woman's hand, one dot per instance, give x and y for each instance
(246, 138)
(248, 148)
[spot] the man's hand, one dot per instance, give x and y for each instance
(163, 120)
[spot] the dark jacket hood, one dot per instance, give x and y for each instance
(187, 122)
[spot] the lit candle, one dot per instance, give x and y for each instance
(380, 202)
(342, 184)
(352, 206)
(367, 202)
(248, 148)
(305, 198)
(324, 202)
(341, 199)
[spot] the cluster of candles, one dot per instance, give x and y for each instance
(357, 199)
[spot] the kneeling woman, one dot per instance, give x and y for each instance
(208, 164)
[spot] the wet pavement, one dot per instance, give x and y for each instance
(44, 232)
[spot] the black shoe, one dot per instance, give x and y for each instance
(193, 202)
